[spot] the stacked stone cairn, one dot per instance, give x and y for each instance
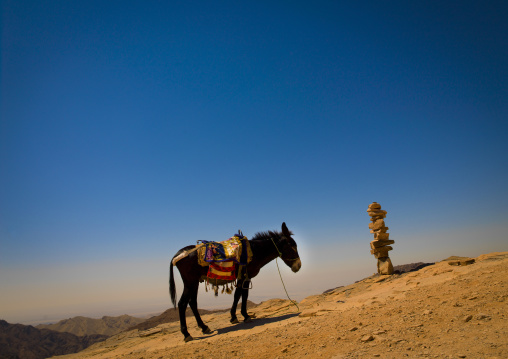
(381, 243)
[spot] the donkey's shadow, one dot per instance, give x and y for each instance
(256, 322)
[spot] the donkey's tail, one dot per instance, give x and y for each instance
(172, 287)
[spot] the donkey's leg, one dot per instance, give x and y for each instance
(237, 295)
(182, 307)
(245, 295)
(194, 306)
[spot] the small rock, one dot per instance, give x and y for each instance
(308, 313)
(467, 262)
(353, 329)
(285, 350)
(468, 318)
(367, 338)
(461, 355)
(427, 312)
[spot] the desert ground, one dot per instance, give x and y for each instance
(439, 311)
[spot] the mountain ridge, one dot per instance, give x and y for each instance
(18, 341)
(80, 325)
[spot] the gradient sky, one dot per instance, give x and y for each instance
(130, 129)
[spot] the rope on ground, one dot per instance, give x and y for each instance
(291, 300)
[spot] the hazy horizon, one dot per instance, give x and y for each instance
(268, 280)
(129, 130)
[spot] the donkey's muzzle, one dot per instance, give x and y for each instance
(297, 264)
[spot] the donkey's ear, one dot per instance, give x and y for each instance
(285, 229)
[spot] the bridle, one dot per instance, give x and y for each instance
(280, 253)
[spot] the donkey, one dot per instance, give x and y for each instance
(265, 246)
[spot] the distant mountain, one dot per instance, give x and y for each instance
(172, 315)
(19, 341)
(88, 326)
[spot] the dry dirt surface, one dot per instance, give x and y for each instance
(439, 311)
(172, 315)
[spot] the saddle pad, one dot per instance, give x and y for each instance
(236, 249)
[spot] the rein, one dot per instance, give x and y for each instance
(280, 275)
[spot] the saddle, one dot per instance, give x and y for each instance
(224, 260)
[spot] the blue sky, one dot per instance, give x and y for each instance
(130, 129)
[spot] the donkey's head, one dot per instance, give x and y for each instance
(288, 250)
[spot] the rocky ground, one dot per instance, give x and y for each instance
(438, 311)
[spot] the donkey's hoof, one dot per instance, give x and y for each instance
(188, 339)
(207, 331)
(234, 321)
(247, 320)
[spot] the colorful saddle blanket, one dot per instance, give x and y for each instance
(223, 259)
(236, 249)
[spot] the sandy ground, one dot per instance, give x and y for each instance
(440, 311)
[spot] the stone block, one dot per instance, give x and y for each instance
(381, 251)
(376, 213)
(381, 254)
(374, 205)
(381, 236)
(375, 218)
(379, 243)
(380, 223)
(384, 266)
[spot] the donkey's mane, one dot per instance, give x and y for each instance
(267, 235)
